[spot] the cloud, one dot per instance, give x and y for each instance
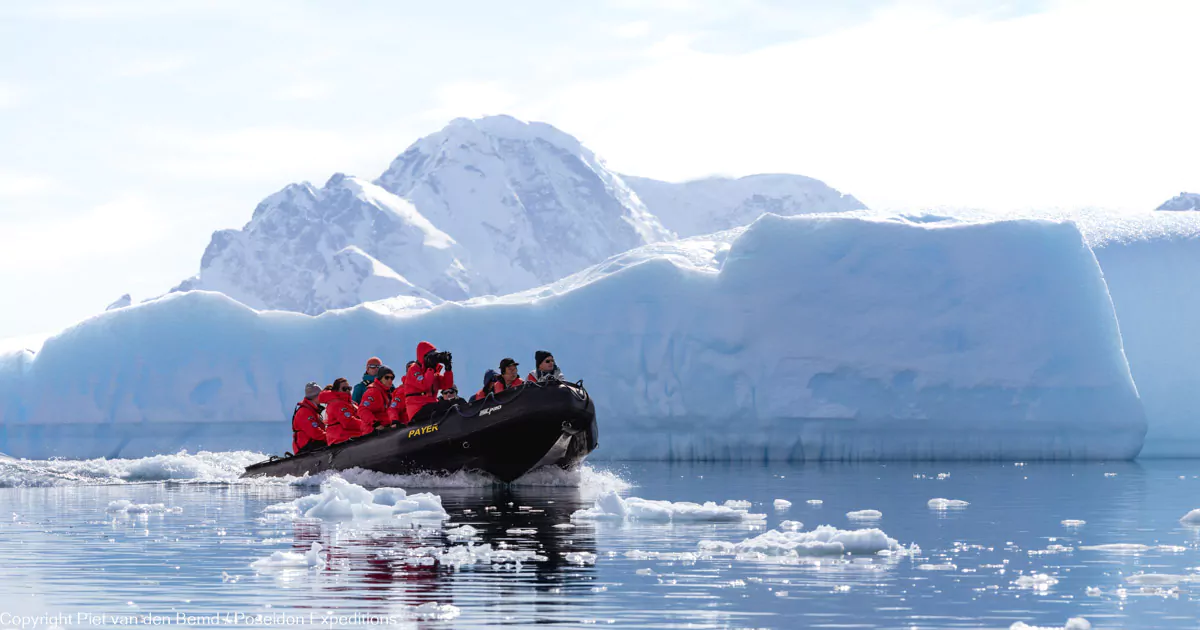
(1087, 103)
(633, 30)
(48, 242)
(304, 91)
(470, 99)
(151, 67)
(10, 95)
(23, 184)
(251, 154)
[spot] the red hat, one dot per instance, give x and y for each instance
(374, 361)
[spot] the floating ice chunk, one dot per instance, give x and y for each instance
(610, 506)
(782, 504)
(825, 540)
(814, 502)
(737, 504)
(464, 532)
(1094, 591)
(938, 567)
(1073, 523)
(340, 500)
(433, 611)
(127, 507)
(946, 504)
(1191, 518)
(459, 556)
(1160, 579)
(520, 531)
(580, 557)
(791, 526)
(1036, 581)
(565, 526)
(281, 560)
(666, 556)
(1074, 623)
(1117, 548)
(864, 515)
(645, 571)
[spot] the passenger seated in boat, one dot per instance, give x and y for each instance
(307, 431)
(546, 370)
(451, 395)
(425, 379)
(341, 414)
(510, 375)
(373, 365)
(489, 379)
(375, 402)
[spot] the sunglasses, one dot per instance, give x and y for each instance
(345, 389)
(372, 367)
(387, 378)
(550, 361)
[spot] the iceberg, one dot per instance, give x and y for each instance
(795, 338)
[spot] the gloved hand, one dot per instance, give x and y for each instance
(431, 360)
(446, 360)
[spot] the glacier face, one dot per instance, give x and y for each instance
(795, 338)
(713, 204)
(310, 250)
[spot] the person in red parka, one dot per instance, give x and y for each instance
(307, 431)
(397, 412)
(425, 379)
(510, 376)
(341, 414)
(375, 401)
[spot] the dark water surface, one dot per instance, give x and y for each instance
(62, 553)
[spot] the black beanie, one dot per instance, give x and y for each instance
(384, 371)
(540, 356)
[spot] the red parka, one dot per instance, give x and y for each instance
(341, 417)
(421, 384)
(375, 401)
(397, 411)
(306, 425)
(499, 386)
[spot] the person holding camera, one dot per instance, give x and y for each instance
(432, 373)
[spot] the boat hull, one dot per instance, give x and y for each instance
(506, 435)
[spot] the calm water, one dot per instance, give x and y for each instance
(62, 553)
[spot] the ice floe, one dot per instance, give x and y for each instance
(1036, 581)
(864, 515)
(1074, 623)
(283, 560)
(1073, 523)
(782, 504)
(340, 500)
(825, 540)
(611, 507)
(1191, 518)
(129, 508)
(946, 504)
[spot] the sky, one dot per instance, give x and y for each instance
(130, 130)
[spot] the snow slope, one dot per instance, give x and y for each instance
(528, 203)
(796, 338)
(1182, 201)
(713, 204)
(310, 250)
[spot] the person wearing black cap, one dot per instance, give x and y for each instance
(308, 432)
(546, 368)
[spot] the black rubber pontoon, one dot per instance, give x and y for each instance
(506, 434)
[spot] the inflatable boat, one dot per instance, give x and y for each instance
(506, 435)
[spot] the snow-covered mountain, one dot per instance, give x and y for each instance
(483, 207)
(311, 250)
(1182, 201)
(709, 205)
(528, 203)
